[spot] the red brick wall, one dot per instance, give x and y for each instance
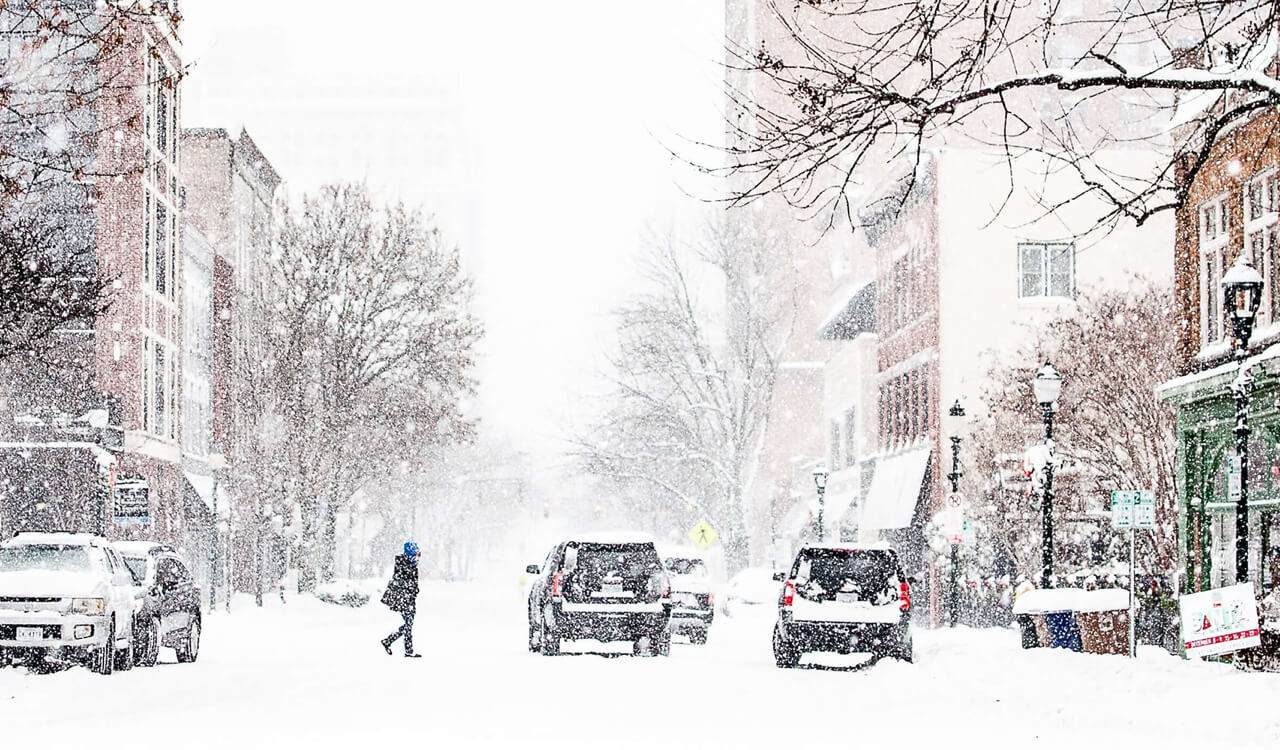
(1256, 146)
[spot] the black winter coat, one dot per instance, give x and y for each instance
(402, 592)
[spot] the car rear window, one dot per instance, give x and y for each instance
(627, 560)
(55, 557)
(683, 566)
(865, 572)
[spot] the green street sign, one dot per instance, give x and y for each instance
(1133, 509)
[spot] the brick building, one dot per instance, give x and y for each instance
(230, 198)
(1232, 208)
(114, 412)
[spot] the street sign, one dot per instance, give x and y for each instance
(955, 501)
(1219, 621)
(132, 499)
(1122, 509)
(703, 535)
(1144, 510)
(1133, 509)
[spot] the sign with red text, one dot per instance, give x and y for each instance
(1220, 621)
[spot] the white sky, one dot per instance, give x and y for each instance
(535, 131)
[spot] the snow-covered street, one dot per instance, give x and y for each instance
(309, 674)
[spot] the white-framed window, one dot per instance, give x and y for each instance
(160, 186)
(833, 446)
(850, 438)
(1261, 203)
(1047, 269)
(1215, 232)
(160, 373)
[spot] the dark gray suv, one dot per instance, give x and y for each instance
(603, 587)
(843, 599)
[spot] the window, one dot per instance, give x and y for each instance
(161, 397)
(1214, 235)
(1046, 269)
(833, 446)
(160, 248)
(146, 383)
(850, 438)
(1260, 227)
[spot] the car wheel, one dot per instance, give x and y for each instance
(189, 649)
(535, 639)
(103, 659)
(151, 644)
(905, 652)
(124, 657)
(785, 654)
(662, 643)
(550, 640)
(698, 636)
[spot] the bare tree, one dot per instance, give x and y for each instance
(364, 356)
(1111, 433)
(831, 89)
(46, 283)
(692, 384)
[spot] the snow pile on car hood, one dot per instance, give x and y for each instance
(49, 583)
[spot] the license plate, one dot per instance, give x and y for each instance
(848, 599)
(30, 634)
(613, 589)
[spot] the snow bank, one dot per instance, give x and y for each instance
(1040, 601)
(1103, 600)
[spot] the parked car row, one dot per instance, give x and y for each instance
(81, 599)
(834, 598)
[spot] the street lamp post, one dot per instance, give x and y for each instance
(957, 413)
(820, 479)
(1047, 387)
(1242, 290)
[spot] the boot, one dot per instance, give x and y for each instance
(412, 655)
(386, 645)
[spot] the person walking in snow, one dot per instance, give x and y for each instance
(402, 597)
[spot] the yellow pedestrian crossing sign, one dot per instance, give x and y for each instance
(703, 535)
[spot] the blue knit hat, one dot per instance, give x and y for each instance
(411, 549)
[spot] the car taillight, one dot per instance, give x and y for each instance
(711, 599)
(557, 584)
(788, 594)
(904, 596)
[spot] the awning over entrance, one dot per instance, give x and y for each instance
(895, 490)
(842, 491)
(203, 486)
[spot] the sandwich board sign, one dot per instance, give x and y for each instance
(1219, 621)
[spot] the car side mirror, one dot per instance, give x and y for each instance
(532, 569)
(912, 580)
(779, 577)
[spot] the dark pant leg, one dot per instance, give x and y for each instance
(407, 630)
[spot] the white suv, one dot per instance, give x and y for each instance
(65, 597)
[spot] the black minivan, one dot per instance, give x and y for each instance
(603, 587)
(844, 599)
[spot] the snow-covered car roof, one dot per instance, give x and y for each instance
(613, 537)
(878, 546)
(56, 537)
(139, 549)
